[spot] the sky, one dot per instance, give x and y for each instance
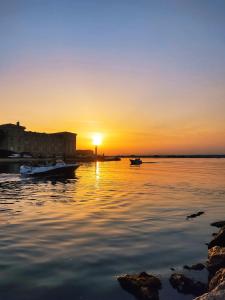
(149, 74)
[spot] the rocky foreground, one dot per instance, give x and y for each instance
(146, 287)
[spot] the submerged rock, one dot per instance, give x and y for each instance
(219, 239)
(195, 215)
(218, 224)
(196, 267)
(187, 285)
(143, 286)
(216, 259)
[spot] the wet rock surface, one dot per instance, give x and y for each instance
(187, 285)
(216, 294)
(218, 224)
(216, 265)
(219, 239)
(192, 216)
(217, 279)
(216, 259)
(143, 286)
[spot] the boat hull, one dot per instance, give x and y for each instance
(61, 171)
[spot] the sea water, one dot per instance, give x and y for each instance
(69, 239)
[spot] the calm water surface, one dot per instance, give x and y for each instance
(69, 239)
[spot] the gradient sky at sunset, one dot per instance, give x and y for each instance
(148, 74)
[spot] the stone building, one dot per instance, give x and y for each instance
(15, 138)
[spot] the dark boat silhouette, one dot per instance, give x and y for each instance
(136, 161)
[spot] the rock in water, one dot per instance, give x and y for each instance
(219, 239)
(186, 285)
(195, 215)
(143, 286)
(196, 267)
(218, 224)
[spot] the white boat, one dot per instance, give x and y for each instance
(14, 155)
(58, 169)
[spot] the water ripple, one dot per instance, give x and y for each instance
(68, 239)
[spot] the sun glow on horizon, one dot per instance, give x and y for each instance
(97, 139)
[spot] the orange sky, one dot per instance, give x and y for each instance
(150, 78)
(95, 101)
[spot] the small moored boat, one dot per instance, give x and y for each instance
(136, 161)
(58, 169)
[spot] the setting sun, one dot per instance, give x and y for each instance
(97, 139)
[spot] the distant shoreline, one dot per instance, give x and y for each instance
(88, 159)
(176, 156)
